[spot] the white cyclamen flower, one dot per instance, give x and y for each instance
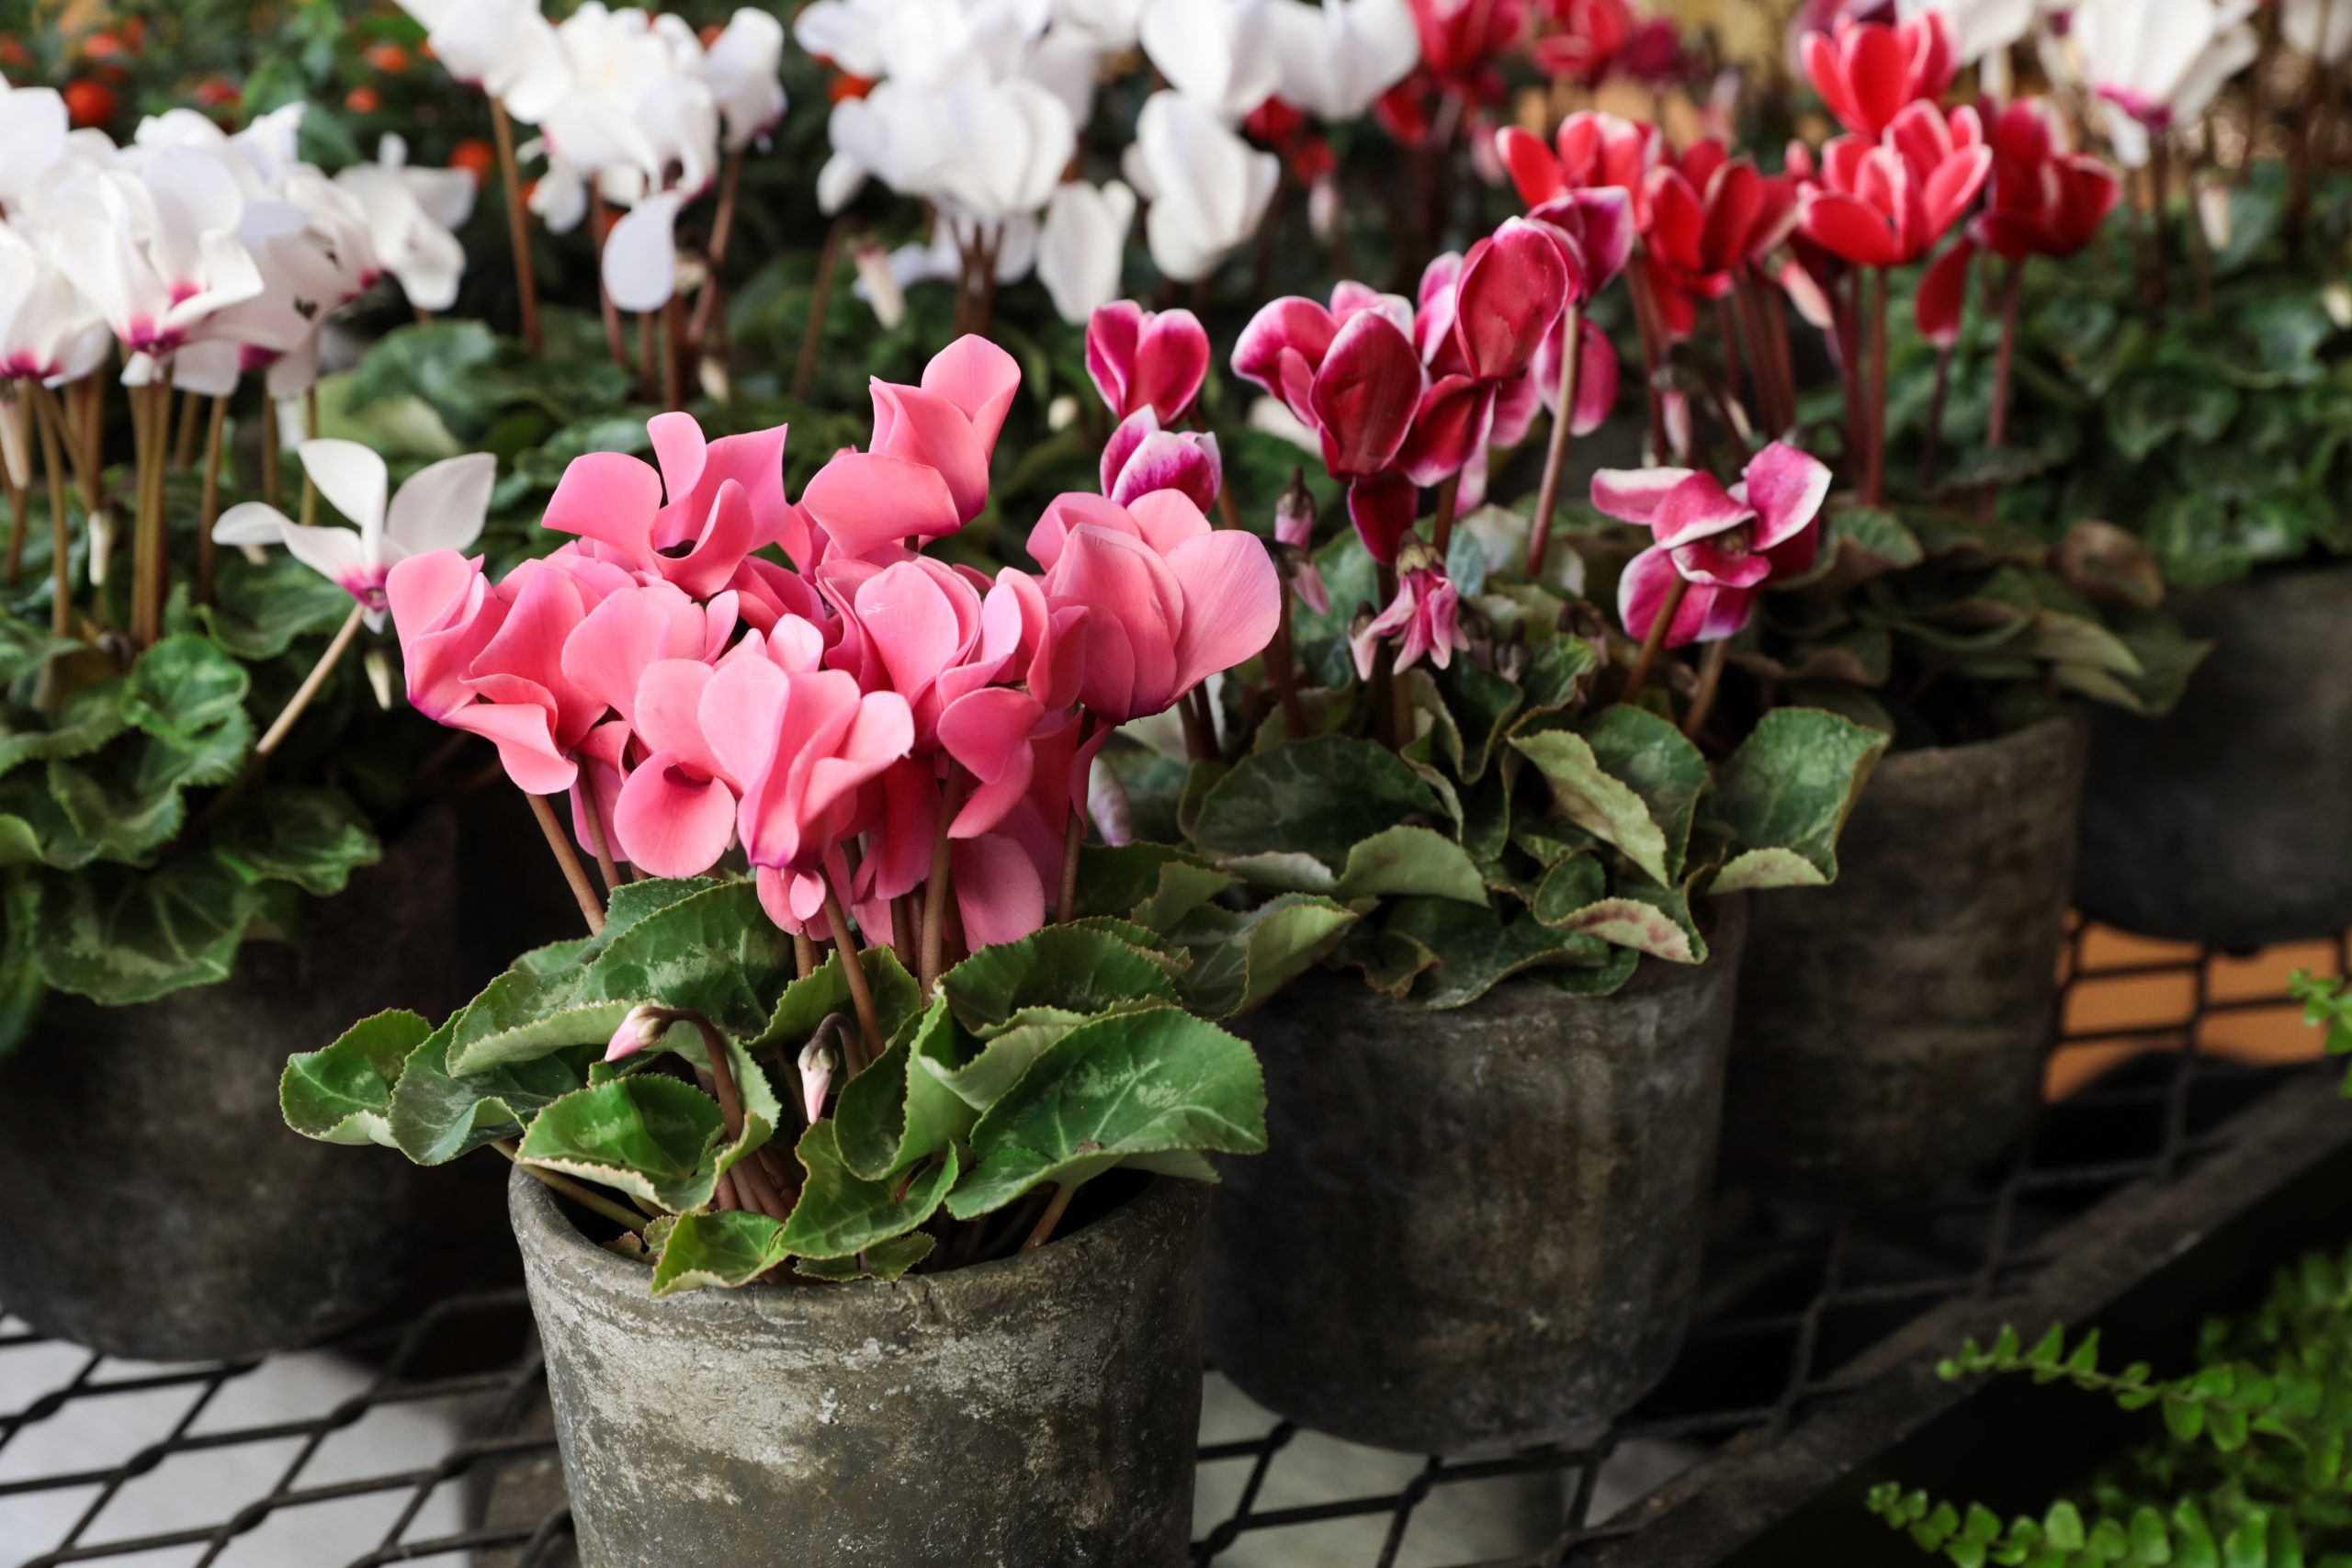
(441, 508)
(2321, 29)
(1338, 57)
(2157, 64)
(1208, 188)
(1218, 53)
(412, 217)
(1080, 249)
(48, 330)
(742, 65)
(503, 47)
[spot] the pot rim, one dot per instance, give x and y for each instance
(545, 1234)
(2073, 717)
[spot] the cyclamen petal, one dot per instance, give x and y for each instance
(672, 821)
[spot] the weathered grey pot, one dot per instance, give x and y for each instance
(2224, 822)
(159, 1206)
(1040, 1410)
(1893, 1026)
(1472, 1230)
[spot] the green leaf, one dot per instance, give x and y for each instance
(1641, 916)
(808, 1001)
(1479, 707)
(841, 1213)
(435, 1117)
(902, 1109)
(313, 838)
(2147, 410)
(184, 687)
(1152, 885)
(1240, 959)
(1474, 950)
(727, 1248)
(883, 1260)
(1628, 776)
(343, 1093)
(260, 610)
(1392, 862)
(119, 935)
(1074, 968)
(648, 1135)
(1318, 797)
(1149, 1082)
(1784, 796)
(22, 989)
(714, 953)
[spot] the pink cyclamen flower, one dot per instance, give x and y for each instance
(530, 709)
(445, 614)
(1868, 72)
(1724, 544)
(925, 473)
(725, 498)
(1170, 600)
(803, 746)
(1143, 359)
(1294, 529)
(1141, 457)
(1424, 617)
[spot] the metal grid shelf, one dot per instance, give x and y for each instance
(428, 1440)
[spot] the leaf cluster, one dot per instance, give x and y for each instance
(1046, 1062)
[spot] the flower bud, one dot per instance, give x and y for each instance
(642, 1028)
(817, 1059)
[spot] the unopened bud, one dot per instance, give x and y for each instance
(2336, 299)
(380, 678)
(1295, 512)
(1061, 413)
(879, 285)
(101, 544)
(816, 1063)
(642, 1028)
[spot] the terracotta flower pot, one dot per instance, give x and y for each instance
(1037, 1410)
(161, 1208)
(1472, 1230)
(1893, 1026)
(2224, 821)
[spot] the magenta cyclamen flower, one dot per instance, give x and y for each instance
(1725, 545)
(1142, 359)
(1424, 618)
(1141, 457)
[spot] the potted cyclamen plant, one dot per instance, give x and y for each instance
(1890, 1029)
(215, 837)
(1492, 1108)
(848, 793)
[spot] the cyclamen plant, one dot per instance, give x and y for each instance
(1455, 778)
(855, 781)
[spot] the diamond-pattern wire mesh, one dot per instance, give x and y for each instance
(2150, 1070)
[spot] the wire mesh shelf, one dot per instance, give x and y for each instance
(428, 1440)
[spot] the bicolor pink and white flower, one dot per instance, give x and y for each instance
(441, 507)
(1725, 545)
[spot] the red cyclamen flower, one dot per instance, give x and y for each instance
(1144, 359)
(2045, 201)
(1887, 204)
(1866, 71)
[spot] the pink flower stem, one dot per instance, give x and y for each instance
(1073, 834)
(587, 1198)
(1449, 497)
(575, 875)
(1044, 1232)
(1547, 496)
(51, 421)
(903, 941)
(1874, 486)
(1384, 672)
(674, 349)
(936, 888)
(1660, 624)
(753, 1188)
(1644, 319)
(273, 471)
(861, 994)
(1711, 680)
(1846, 337)
(1281, 671)
(1729, 338)
(804, 955)
(211, 506)
(1997, 422)
(519, 227)
(20, 498)
(812, 335)
(1932, 456)
(615, 342)
(310, 432)
(722, 227)
(284, 723)
(585, 797)
(2159, 203)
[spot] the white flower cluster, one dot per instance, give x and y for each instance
(630, 105)
(217, 254)
(977, 105)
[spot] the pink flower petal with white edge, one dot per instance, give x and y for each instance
(998, 891)
(673, 822)
(978, 378)
(1171, 362)
(1111, 336)
(1722, 560)
(867, 502)
(1178, 462)
(1642, 593)
(1290, 325)
(1126, 436)
(1634, 495)
(1696, 508)
(1511, 289)
(1785, 487)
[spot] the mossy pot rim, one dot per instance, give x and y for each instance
(547, 1235)
(1923, 759)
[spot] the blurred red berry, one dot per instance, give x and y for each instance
(388, 58)
(90, 103)
(474, 156)
(844, 87)
(363, 100)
